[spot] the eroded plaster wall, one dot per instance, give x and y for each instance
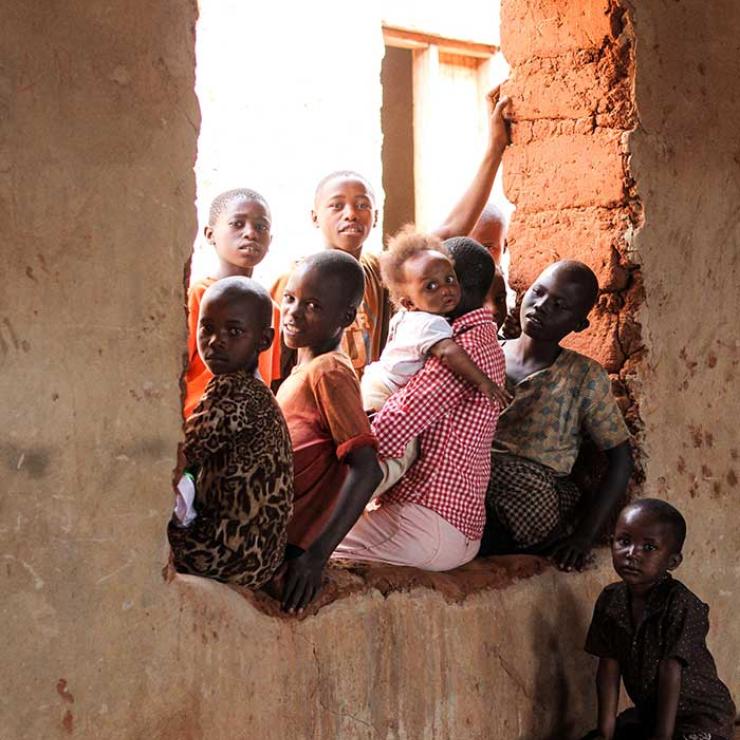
(98, 129)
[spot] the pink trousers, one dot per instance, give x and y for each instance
(407, 534)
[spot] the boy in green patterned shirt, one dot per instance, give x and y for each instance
(560, 396)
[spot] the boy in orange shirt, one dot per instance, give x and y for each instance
(335, 463)
(239, 229)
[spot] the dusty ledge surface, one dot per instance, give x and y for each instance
(345, 578)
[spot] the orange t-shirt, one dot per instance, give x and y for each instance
(365, 337)
(198, 375)
(322, 406)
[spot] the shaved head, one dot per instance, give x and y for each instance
(245, 291)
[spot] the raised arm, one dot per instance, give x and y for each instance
(572, 552)
(303, 574)
(458, 360)
(468, 209)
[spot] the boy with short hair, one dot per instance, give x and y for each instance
(336, 468)
(651, 630)
(238, 227)
(237, 444)
(345, 211)
(558, 396)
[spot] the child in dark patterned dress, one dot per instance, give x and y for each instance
(237, 443)
(651, 630)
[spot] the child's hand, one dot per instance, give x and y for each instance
(500, 123)
(302, 581)
(496, 394)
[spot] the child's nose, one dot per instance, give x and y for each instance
(350, 212)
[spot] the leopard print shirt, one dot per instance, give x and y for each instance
(237, 440)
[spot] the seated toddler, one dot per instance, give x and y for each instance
(651, 630)
(237, 446)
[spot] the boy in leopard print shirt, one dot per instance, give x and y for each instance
(237, 442)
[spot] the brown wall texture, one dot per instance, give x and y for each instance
(98, 127)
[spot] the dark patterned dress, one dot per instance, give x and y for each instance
(237, 442)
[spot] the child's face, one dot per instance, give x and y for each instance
(345, 213)
(643, 548)
(496, 299)
(229, 337)
(313, 311)
(553, 307)
(241, 234)
(430, 284)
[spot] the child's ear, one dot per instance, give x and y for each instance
(582, 325)
(348, 317)
(675, 560)
(266, 339)
(375, 218)
(315, 218)
(208, 233)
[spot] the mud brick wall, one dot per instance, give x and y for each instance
(568, 170)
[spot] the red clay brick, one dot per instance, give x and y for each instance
(591, 235)
(566, 171)
(547, 28)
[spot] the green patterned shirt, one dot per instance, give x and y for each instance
(554, 408)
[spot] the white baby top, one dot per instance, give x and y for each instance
(411, 335)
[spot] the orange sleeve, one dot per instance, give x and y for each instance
(337, 393)
(194, 295)
(269, 360)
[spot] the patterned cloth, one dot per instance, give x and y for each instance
(237, 441)
(675, 625)
(529, 500)
(554, 408)
(454, 423)
(365, 337)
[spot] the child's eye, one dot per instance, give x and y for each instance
(336, 206)
(623, 541)
(450, 279)
(647, 547)
(313, 306)
(239, 224)
(262, 227)
(432, 286)
(363, 206)
(235, 331)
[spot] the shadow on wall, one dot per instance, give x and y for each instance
(565, 673)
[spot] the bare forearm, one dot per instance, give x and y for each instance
(458, 360)
(468, 209)
(362, 479)
(669, 688)
(612, 489)
(607, 691)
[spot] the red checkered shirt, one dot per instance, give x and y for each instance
(454, 423)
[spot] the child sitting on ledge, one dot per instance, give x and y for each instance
(336, 466)
(558, 396)
(237, 444)
(651, 630)
(421, 277)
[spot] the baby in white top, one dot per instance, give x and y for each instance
(421, 278)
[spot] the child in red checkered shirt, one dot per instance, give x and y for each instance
(420, 274)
